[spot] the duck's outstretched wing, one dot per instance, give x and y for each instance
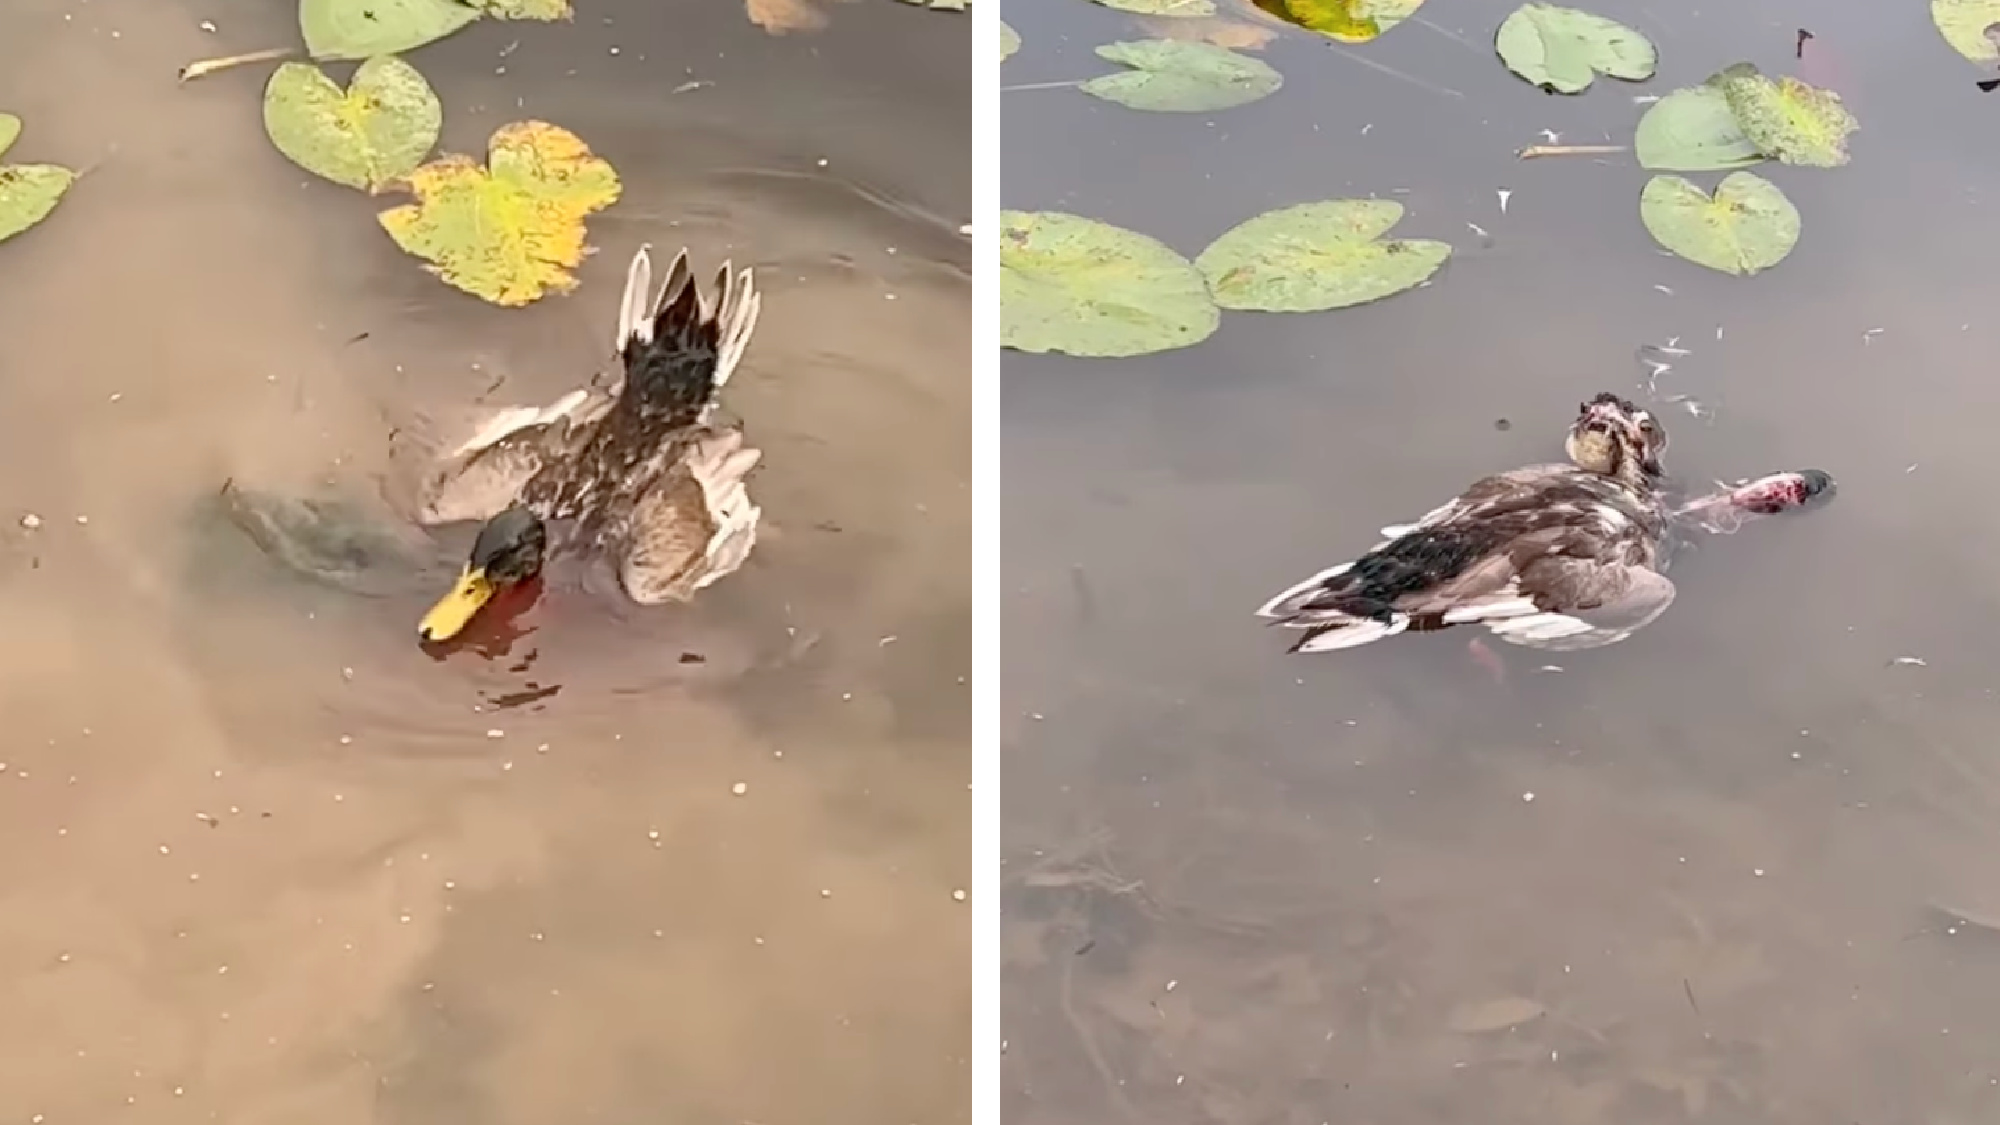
(483, 474)
(694, 526)
(1563, 604)
(679, 356)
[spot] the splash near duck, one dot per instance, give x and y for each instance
(1553, 556)
(642, 474)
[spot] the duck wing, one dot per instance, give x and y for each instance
(1545, 556)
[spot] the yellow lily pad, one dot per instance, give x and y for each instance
(1349, 21)
(525, 9)
(372, 133)
(509, 231)
(28, 192)
(1788, 120)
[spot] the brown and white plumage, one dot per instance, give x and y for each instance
(1557, 556)
(641, 470)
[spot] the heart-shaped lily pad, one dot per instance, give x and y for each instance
(1315, 256)
(1349, 21)
(1561, 49)
(1693, 130)
(28, 192)
(1174, 76)
(1788, 120)
(1075, 285)
(1748, 225)
(376, 131)
(362, 29)
(1964, 24)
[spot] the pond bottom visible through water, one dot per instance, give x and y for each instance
(265, 859)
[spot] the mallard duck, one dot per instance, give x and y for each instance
(640, 472)
(1551, 556)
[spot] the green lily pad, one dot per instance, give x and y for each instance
(1561, 49)
(376, 131)
(1172, 76)
(1186, 8)
(1349, 21)
(1075, 285)
(1693, 130)
(362, 29)
(28, 192)
(1748, 225)
(524, 9)
(1963, 24)
(1010, 41)
(1788, 120)
(1316, 256)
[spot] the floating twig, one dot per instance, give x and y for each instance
(202, 68)
(1534, 151)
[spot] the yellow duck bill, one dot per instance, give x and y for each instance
(453, 612)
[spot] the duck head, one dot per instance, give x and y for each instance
(508, 552)
(1616, 438)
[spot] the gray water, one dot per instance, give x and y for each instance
(265, 860)
(1719, 872)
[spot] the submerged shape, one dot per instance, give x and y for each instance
(362, 29)
(1010, 41)
(1173, 76)
(1963, 24)
(376, 131)
(525, 9)
(1219, 31)
(1561, 48)
(1187, 8)
(28, 192)
(1693, 130)
(1075, 285)
(1748, 225)
(511, 231)
(1787, 119)
(1349, 21)
(1317, 256)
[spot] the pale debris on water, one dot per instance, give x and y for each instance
(1505, 194)
(1911, 661)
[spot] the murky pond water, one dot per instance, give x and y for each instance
(1703, 875)
(264, 859)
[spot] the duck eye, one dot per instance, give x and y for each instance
(1646, 426)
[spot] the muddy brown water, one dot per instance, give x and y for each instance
(263, 859)
(1694, 877)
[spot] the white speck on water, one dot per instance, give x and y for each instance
(207, 25)
(1914, 661)
(825, 893)
(1527, 796)
(1173, 984)
(1505, 194)
(496, 733)
(31, 521)
(1757, 871)
(740, 788)
(958, 894)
